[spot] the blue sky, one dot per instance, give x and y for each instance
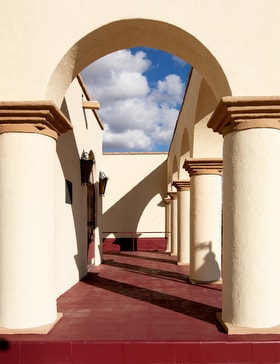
(140, 91)
(163, 64)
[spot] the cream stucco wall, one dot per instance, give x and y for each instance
(58, 39)
(71, 219)
(134, 197)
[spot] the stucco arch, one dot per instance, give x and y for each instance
(130, 33)
(205, 143)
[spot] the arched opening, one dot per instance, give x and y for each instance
(124, 34)
(140, 32)
(205, 142)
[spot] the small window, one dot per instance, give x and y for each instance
(68, 192)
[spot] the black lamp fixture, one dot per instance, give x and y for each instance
(86, 163)
(103, 179)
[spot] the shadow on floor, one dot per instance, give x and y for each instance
(187, 307)
(152, 272)
(144, 257)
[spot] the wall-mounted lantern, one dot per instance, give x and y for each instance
(86, 163)
(103, 179)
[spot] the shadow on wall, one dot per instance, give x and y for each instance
(210, 265)
(69, 158)
(125, 214)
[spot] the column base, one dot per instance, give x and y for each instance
(42, 330)
(231, 329)
(182, 263)
(194, 281)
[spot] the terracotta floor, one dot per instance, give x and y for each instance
(138, 308)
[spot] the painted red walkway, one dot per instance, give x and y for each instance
(138, 308)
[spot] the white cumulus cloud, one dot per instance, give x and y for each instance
(136, 115)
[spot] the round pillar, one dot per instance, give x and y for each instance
(174, 226)
(205, 219)
(251, 289)
(183, 191)
(28, 133)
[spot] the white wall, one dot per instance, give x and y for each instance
(133, 201)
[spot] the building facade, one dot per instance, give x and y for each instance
(226, 144)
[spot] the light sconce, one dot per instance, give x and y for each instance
(86, 163)
(103, 179)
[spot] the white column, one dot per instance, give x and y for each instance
(251, 290)
(168, 223)
(174, 225)
(183, 191)
(205, 219)
(27, 209)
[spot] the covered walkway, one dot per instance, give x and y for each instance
(139, 308)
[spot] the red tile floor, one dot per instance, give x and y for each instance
(138, 308)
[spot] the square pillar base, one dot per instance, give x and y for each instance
(231, 329)
(194, 281)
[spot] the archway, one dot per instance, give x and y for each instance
(131, 33)
(123, 34)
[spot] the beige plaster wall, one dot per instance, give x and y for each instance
(234, 45)
(134, 197)
(71, 219)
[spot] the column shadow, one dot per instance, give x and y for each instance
(152, 272)
(200, 311)
(144, 257)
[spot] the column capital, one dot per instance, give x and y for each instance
(182, 185)
(41, 117)
(173, 195)
(245, 112)
(198, 166)
(167, 200)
